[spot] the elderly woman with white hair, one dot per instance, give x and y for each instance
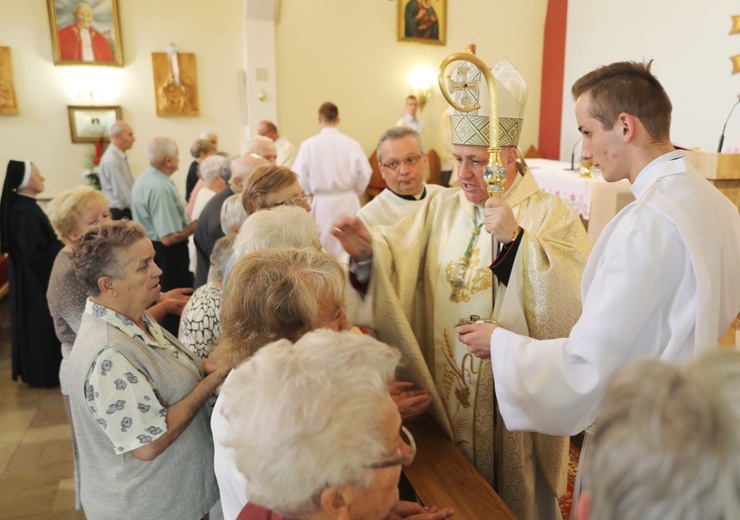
(667, 442)
(210, 184)
(340, 460)
(278, 227)
(232, 214)
(210, 174)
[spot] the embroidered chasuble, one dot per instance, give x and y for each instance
(416, 305)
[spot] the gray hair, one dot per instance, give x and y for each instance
(305, 416)
(273, 294)
(116, 128)
(97, 253)
(281, 226)
(209, 136)
(395, 133)
(202, 146)
(159, 149)
(210, 168)
(232, 214)
(220, 255)
(667, 443)
(226, 166)
(254, 145)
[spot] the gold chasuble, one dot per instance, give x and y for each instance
(415, 264)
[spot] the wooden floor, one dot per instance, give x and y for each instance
(36, 480)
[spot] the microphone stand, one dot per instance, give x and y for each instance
(722, 137)
(573, 155)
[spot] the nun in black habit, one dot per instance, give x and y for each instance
(28, 238)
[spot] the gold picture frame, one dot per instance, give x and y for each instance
(70, 43)
(8, 99)
(422, 21)
(89, 124)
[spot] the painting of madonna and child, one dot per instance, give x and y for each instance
(422, 21)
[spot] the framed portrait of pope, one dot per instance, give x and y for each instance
(422, 21)
(85, 32)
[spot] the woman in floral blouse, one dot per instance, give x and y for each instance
(137, 394)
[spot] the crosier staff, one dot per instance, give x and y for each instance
(494, 173)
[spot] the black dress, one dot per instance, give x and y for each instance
(32, 246)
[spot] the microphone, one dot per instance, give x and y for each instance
(573, 153)
(722, 137)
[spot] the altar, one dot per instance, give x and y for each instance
(595, 200)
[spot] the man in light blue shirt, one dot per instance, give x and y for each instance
(157, 206)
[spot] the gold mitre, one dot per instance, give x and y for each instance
(467, 87)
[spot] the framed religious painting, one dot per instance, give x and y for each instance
(90, 124)
(422, 21)
(85, 32)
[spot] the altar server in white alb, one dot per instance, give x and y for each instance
(663, 280)
(404, 167)
(333, 168)
(410, 120)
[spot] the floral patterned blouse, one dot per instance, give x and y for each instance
(121, 398)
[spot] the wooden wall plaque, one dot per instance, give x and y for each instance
(171, 99)
(8, 99)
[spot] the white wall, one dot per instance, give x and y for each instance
(347, 52)
(41, 131)
(690, 44)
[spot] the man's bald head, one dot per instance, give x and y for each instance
(262, 146)
(242, 166)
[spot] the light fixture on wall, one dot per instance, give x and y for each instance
(422, 79)
(91, 85)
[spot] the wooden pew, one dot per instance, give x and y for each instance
(442, 476)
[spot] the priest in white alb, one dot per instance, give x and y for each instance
(433, 268)
(332, 167)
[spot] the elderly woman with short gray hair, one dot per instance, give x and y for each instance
(138, 395)
(316, 433)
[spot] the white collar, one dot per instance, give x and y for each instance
(657, 168)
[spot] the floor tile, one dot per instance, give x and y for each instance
(15, 424)
(65, 497)
(7, 450)
(47, 433)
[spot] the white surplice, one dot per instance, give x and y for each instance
(388, 208)
(285, 152)
(333, 168)
(662, 281)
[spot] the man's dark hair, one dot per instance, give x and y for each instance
(627, 86)
(329, 112)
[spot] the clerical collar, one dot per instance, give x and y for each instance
(411, 197)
